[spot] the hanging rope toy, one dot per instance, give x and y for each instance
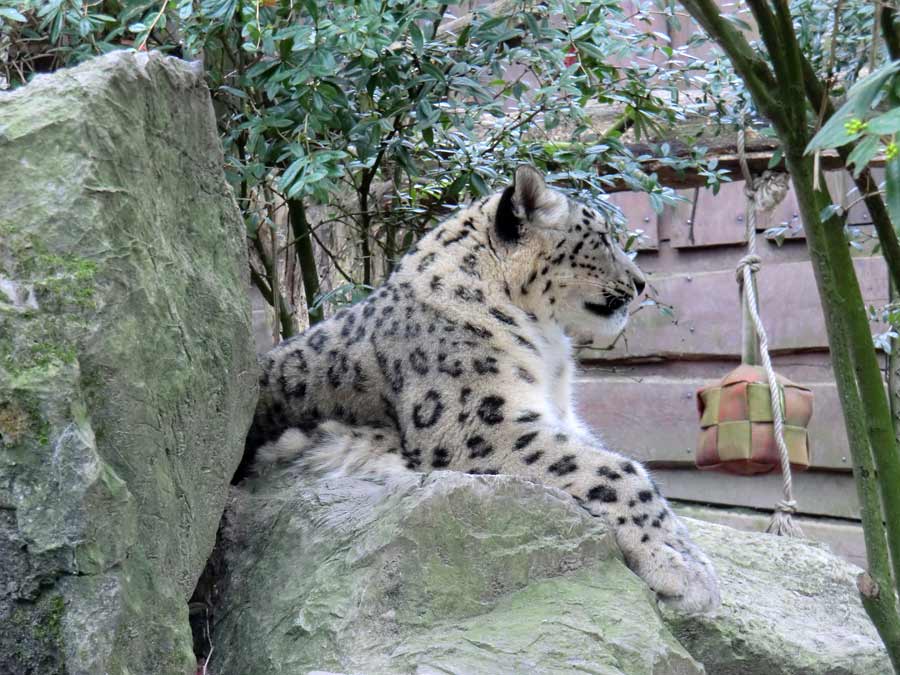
(754, 420)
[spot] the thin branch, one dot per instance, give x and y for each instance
(769, 32)
(873, 48)
(829, 78)
(261, 284)
(620, 126)
(332, 257)
(437, 22)
(143, 45)
(748, 63)
(273, 280)
(265, 288)
(793, 86)
(368, 175)
(205, 666)
(860, 384)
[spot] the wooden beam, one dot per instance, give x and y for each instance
(758, 162)
(452, 28)
(720, 143)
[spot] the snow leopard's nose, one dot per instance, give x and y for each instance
(632, 275)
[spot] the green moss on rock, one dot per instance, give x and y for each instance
(32, 637)
(789, 606)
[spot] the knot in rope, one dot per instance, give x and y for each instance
(750, 261)
(787, 506)
(767, 190)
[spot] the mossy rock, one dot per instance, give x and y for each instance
(127, 370)
(451, 573)
(448, 573)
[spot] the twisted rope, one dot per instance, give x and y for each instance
(763, 194)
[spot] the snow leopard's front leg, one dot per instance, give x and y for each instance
(655, 542)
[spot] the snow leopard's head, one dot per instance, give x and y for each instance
(563, 260)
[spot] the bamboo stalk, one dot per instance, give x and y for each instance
(870, 381)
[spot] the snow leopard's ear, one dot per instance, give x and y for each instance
(528, 200)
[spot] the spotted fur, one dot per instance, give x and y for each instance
(462, 360)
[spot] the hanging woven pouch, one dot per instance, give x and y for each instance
(737, 434)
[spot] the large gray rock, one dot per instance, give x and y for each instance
(452, 573)
(789, 607)
(445, 573)
(126, 363)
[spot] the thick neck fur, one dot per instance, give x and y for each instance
(464, 271)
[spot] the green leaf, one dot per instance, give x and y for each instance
(313, 8)
(218, 10)
(493, 22)
(592, 50)
(456, 187)
(863, 153)
(290, 175)
(833, 133)
(886, 124)
(740, 23)
(418, 40)
(859, 100)
(278, 122)
(829, 211)
(892, 187)
(429, 69)
(185, 9)
(478, 185)
(13, 14)
(581, 31)
(862, 94)
(233, 91)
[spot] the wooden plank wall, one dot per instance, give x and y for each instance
(640, 395)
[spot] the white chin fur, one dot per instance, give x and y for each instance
(599, 332)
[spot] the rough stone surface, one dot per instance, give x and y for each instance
(789, 607)
(448, 573)
(451, 573)
(127, 371)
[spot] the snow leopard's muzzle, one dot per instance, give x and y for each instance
(614, 302)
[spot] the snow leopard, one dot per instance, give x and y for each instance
(463, 360)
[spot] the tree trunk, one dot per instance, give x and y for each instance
(781, 96)
(306, 258)
(861, 390)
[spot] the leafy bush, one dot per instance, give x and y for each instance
(391, 112)
(318, 102)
